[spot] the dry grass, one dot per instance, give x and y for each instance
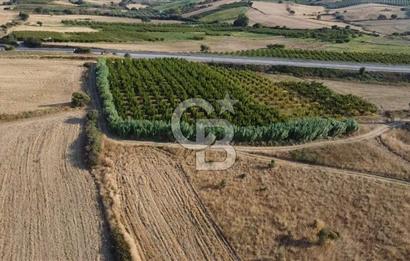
(49, 203)
(367, 156)
(274, 14)
(103, 2)
(398, 141)
(136, 6)
(266, 213)
(63, 2)
(160, 212)
(369, 11)
(270, 214)
(386, 26)
(33, 84)
(6, 16)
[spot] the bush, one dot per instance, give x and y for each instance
(275, 46)
(272, 164)
(242, 20)
(79, 99)
(32, 42)
(93, 146)
(326, 234)
(204, 48)
(24, 16)
(82, 50)
(9, 48)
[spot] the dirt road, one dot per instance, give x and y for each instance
(48, 200)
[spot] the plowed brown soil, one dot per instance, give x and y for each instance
(48, 200)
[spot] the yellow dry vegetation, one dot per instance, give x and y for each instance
(32, 84)
(276, 14)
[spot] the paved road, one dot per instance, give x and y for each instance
(239, 60)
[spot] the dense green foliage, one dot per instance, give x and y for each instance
(93, 139)
(222, 8)
(335, 104)
(79, 99)
(324, 73)
(122, 32)
(322, 55)
(140, 95)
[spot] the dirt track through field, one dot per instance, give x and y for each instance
(160, 209)
(48, 200)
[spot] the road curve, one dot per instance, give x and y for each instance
(210, 58)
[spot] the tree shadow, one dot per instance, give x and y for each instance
(55, 105)
(74, 121)
(289, 241)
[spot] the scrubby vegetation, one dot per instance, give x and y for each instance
(93, 147)
(139, 97)
(322, 55)
(79, 99)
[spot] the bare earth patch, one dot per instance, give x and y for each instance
(48, 199)
(159, 208)
(33, 84)
(6, 16)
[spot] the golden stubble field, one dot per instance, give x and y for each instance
(49, 200)
(37, 84)
(264, 212)
(275, 14)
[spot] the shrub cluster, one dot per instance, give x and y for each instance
(93, 146)
(79, 99)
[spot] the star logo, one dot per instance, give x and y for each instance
(227, 104)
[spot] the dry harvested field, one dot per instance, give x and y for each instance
(212, 6)
(398, 142)
(274, 14)
(53, 23)
(6, 16)
(367, 156)
(386, 26)
(217, 44)
(266, 213)
(103, 2)
(369, 11)
(48, 199)
(136, 6)
(275, 214)
(387, 97)
(34, 84)
(63, 2)
(159, 208)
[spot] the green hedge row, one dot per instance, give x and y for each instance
(294, 131)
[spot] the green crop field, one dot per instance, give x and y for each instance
(122, 32)
(140, 96)
(322, 55)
